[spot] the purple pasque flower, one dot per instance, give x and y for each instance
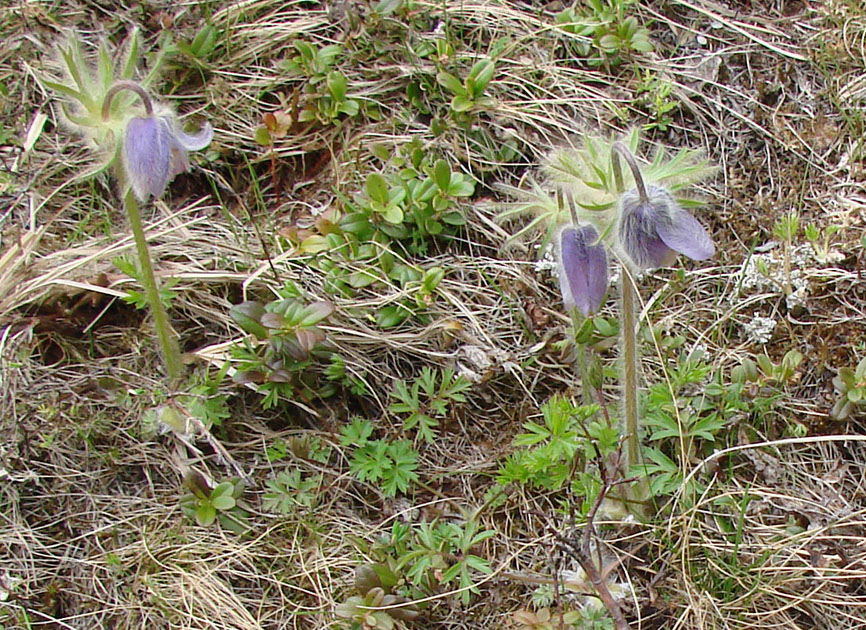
(155, 149)
(653, 228)
(582, 267)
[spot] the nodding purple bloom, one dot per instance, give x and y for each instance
(582, 267)
(654, 230)
(155, 149)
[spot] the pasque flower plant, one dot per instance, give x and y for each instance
(647, 228)
(140, 141)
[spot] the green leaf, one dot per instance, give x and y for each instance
(442, 175)
(451, 83)
(462, 103)
(481, 73)
(433, 227)
(306, 50)
(848, 377)
(765, 364)
(362, 278)
(402, 471)
(393, 214)
(455, 218)
(369, 462)
(64, 89)
(609, 43)
(336, 82)
(263, 137)
(205, 514)
(462, 187)
(72, 58)
(642, 44)
(275, 321)
(355, 223)
(350, 108)
(391, 316)
(356, 433)
(452, 572)
(248, 316)
(315, 244)
(131, 55)
(223, 503)
(314, 313)
(377, 188)
(432, 278)
(860, 371)
(479, 564)
(387, 7)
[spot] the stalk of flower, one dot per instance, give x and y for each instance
(154, 151)
(652, 229)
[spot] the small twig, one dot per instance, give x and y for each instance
(581, 552)
(583, 557)
(557, 599)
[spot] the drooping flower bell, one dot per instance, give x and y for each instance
(154, 147)
(155, 150)
(653, 228)
(582, 267)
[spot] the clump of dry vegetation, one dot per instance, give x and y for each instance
(380, 421)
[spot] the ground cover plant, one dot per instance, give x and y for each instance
(407, 314)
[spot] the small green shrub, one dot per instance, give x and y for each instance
(608, 35)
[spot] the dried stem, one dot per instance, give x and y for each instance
(581, 550)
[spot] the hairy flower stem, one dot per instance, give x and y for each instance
(629, 328)
(577, 320)
(620, 149)
(132, 86)
(167, 339)
(630, 364)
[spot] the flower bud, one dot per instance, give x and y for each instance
(582, 267)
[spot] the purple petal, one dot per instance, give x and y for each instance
(652, 232)
(182, 143)
(192, 141)
(582, 266)
(147, 156)
(683, 233)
